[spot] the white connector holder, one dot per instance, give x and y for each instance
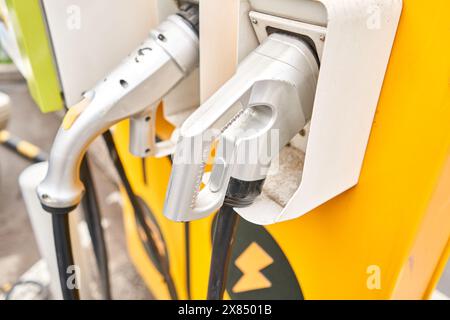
(355, 56)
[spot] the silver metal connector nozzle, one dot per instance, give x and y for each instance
(133, 90)
(272, 91)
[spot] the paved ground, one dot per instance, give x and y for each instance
(18, 251)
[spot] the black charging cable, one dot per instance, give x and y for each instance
(62, 234)
(239, 194)
(93, 218)
(60, 220)
(162, 260)
(64, 255)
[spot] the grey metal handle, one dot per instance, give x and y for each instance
(273, 88)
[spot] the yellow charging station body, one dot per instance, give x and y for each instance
(387, 237)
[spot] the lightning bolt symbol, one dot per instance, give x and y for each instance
(251, 262)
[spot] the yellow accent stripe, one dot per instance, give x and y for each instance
(4, 136)
(7, 287)
(74, 112)
(27, 149)
(2, 18)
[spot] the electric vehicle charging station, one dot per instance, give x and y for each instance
(320, 72)
(344, 45)
(328, 170)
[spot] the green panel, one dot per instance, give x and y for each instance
(40, 72)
